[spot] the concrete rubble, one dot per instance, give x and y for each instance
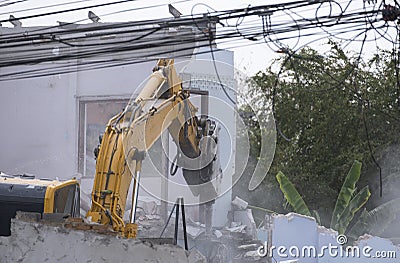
(194, 231)
(150, 223)
(293, 231)
(241, 218)
(38, 241)
(236, 228)
(238, 242)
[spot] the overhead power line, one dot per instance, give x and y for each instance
(70, 10)
(273, 24)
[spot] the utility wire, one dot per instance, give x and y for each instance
(43, 7)
(89, 45)
(69, 10)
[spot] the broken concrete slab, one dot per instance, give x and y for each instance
(217, 233)
(249, 246)
(237, 229)
(243, 217)
(239, 203)
(298, 238)
(252, 255)
(38, 242)
(194, 231)
(148, 205)
(246, 218)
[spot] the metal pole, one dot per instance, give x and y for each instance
(165, 172)
(176, 222)
(135, 195)
(169, 218)
(184, 224)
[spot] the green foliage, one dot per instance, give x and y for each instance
(347, 205)
(375, 221)
(355, 204)
(346, 193)
(320, 102)
(315, 214)
(292, 196)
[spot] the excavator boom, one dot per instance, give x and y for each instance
(161, 105)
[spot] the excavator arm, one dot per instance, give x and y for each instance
(161, 105)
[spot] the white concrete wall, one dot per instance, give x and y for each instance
(39, 135)
(295, 233)
(223, 110)
(40, 116)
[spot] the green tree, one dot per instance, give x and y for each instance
(330, 109)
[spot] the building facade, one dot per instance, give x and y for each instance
(55, 109)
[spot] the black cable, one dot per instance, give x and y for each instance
(100, 28)
(98, 52)
(274, 87)
(39, 32)
(290, 54)
(43, 7)
(15, 2)
(290, 4)
(103, 64)
(216, 70)
(396, 66)
(215, 13)
(372, 155)
(174, 165)
(298, 27)
(93, 53)
(70, 10)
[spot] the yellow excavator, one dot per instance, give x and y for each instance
(28, 194)
(161, 105)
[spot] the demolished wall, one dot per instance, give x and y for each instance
(40, 242)
(298, 238)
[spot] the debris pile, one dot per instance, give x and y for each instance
(236, 242)
(70, 241)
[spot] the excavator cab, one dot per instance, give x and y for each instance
(28, 194)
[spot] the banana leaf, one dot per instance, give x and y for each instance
(354, 206)
(292, 196)
(346, 193)
(316, 216)
(374, 221)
